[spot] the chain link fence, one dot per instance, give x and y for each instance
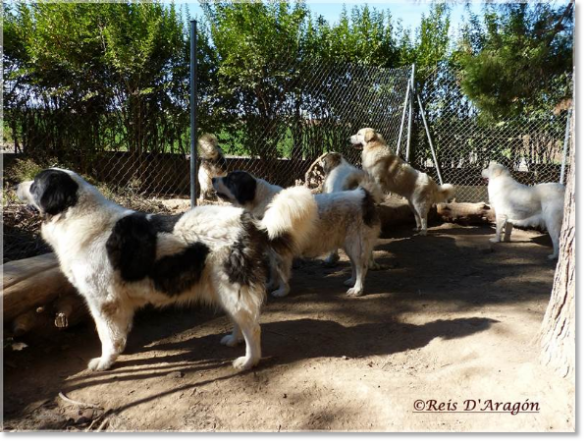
(135, 147)
(530, 144)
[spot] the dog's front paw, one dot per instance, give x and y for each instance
(231, 341)
(282, 292)
(495, 240)
(353, 292)
(99, 364)
(350, 282)
(552, 256)
(243, 363)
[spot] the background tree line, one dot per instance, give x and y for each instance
(81, 79)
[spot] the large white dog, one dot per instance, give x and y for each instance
(520, 205)
(120, 260)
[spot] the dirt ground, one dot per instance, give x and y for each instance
(448, 320)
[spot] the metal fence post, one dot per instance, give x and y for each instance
(565, 154)
(193, 185)
(407, 95)
(437, 167)
(410, 122)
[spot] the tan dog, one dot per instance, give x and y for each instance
(397, 176)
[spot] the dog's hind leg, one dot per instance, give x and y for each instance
(359, 252)
(422, 209)
(554, 228)
(243, 306)
(508, 230)
(417, 227)
(283, 271)
(113, 322)
(501, 221)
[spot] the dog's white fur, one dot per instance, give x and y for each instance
(341, 176)
(395, 175)
(340, 224)
(79, 236)
(520, 205)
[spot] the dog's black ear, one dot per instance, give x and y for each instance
(54, 191)
(242, 185)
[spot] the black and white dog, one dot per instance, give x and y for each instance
(120, 260)
(347, 220)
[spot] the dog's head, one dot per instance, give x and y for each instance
(208, 147)
(494, 170)
(331, 161)
(365, 137)
(52, 192)
(238, 187)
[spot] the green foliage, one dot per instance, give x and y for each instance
(508, 58)
(84, 78)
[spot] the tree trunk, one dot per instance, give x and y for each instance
(558, 333)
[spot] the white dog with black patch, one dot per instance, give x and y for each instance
(520, 205)
(120, 260)
(347, 220)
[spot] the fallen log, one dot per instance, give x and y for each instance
(23, 323)
(394, 214)
(25, 291)
(18, 270)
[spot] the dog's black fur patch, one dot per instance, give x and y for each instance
(369, 211)
(246, 263)
(175, 274)
(54, 191)
(242, 185)
(132, 250)
(164, 223)
(132, 246)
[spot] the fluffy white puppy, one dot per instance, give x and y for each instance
(347, 220)
(120, 260)
(520, 205)
(341, 176)
(395, 175)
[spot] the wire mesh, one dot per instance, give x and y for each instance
(530, 144)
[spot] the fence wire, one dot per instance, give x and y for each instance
(135, 147)
(530, 144)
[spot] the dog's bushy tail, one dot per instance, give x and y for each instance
(444, 193)
(290, 219)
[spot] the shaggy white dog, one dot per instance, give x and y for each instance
(520, 205)
(347, 220)
(120, 260)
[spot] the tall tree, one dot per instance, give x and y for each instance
(558, 330)
(507, 58)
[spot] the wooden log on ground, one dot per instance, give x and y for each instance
(466, 213)
(26, 291)
(18, 270)
(23, 323)
(399, 214)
